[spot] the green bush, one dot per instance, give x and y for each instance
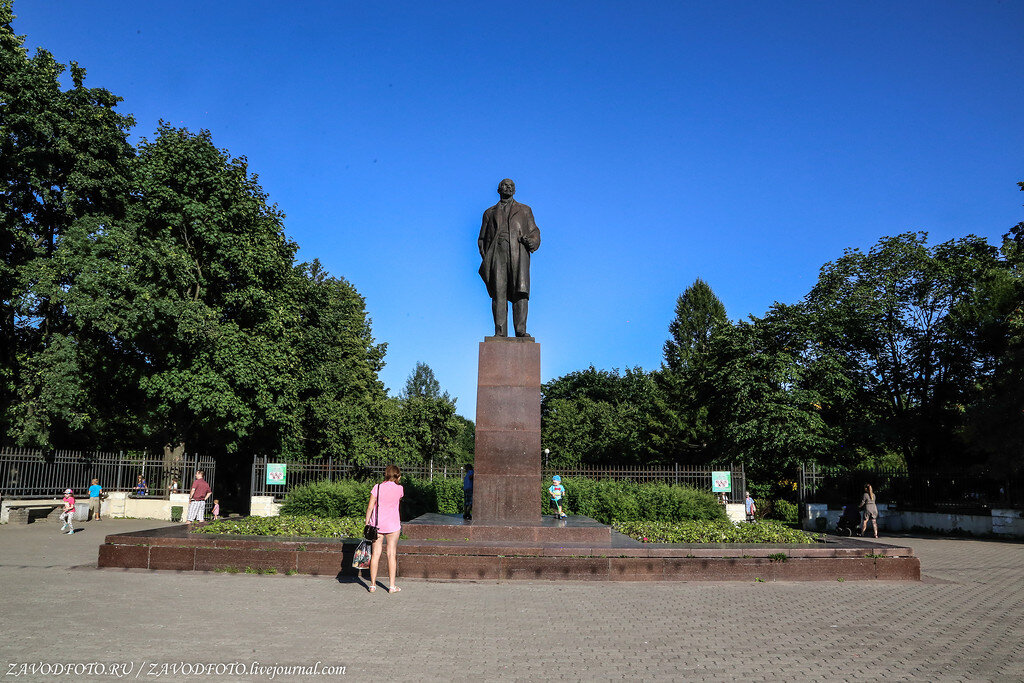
(604, 500)
(610, 501)
(437, 495)
(176, 513)
(713, 532)
(784, 511)
(345, 527)
(343, 498)
(349, 497)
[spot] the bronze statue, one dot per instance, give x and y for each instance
(508, 235)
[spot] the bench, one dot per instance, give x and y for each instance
(24, 511)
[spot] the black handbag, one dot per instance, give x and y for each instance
(370, 530)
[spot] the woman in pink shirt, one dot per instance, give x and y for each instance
(382, 512)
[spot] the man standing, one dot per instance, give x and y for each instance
(197, 499)
(508, 235)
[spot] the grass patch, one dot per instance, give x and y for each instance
(714, 532)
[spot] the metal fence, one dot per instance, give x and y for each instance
(28, 472)
(940, 491)
(299, 473)
(695, 477)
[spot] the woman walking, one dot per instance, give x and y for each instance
(382, 512)
(870, 510)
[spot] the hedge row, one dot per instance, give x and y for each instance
(610, 501)
(603, 500)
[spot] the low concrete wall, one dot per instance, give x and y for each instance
(735, 512)
(1001, 521)
(1010, 522)
(264, 506)
(119, 504)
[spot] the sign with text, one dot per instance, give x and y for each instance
(277, 473)
(721, 482)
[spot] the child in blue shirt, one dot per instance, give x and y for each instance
(95, 491)
(557, 492)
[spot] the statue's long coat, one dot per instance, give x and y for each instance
(520, 224)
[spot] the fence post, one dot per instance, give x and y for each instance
(431, 469)
(677, 474)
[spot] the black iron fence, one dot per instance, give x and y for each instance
(940, 491)
(696, 477)
(299, 473)
(26, 472)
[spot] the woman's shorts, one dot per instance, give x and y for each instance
(868, 514)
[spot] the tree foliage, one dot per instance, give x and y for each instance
(150, 297)
(599, 416)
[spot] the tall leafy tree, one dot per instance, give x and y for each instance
(699, 316)
(64, 162)
(209, 270)
(893, 315)
(422, 384)
(598, 416)
(337, 397)
(994, 321)
(429, 418)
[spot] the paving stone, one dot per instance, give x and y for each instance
(964, 621)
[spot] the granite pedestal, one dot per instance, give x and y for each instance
(506, 479)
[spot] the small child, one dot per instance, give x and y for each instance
(557, 492)
(173, 488)
(141, 488)
(216, 509)
(68, 513)
(95, 491)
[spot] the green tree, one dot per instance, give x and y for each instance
(432, 428)
(895, 316)
(600, 416)
(762, 402)
(994, 321)
(699, 316)
(64, 161)
(208, 270)
(465, 442)
(422, 384)
(337, 396)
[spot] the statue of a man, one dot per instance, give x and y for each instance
(508, 236)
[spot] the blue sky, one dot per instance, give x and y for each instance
(745, 143)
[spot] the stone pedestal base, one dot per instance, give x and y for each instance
(574, 530)
(506, 479)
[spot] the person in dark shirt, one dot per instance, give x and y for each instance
(197, 498)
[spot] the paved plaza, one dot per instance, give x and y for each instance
(964, 621)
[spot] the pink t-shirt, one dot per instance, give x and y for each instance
(388, 494)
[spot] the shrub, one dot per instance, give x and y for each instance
(437, 495)
(610, 501)
(176, 513)
(713, 532)
(784, 511)
(605, 500)
(349, 497)
(346, 497)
